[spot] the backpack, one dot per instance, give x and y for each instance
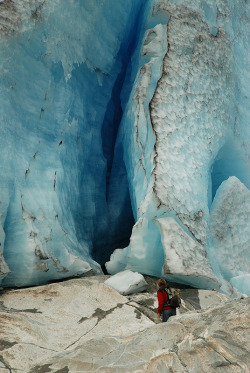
(173, 300)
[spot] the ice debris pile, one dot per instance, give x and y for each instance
(120, 115)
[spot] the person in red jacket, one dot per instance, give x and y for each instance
(164, 310)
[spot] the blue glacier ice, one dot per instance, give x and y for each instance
(62, 66)
(118, 115)
(186, 128)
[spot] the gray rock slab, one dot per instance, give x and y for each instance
(208, 341)
(36, 323)
(82, 325)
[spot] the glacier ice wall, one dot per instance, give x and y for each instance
(185, 131)
(62, 65)
(119, 112)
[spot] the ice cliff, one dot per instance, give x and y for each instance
(124, 125)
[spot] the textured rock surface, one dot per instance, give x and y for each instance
(38, 322)
(203, 342)
(84, 326)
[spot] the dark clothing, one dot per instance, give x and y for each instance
(167, 313)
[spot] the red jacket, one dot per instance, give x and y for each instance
(162, 298)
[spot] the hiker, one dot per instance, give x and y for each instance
(163, 295)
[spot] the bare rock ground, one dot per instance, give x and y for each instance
(82, 325)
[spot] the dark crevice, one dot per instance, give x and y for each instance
(118, 232)
(114, 110)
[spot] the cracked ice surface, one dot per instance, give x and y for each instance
(194, 118)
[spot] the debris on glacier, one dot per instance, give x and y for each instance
(127, 282)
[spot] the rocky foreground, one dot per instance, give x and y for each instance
(82, 325)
